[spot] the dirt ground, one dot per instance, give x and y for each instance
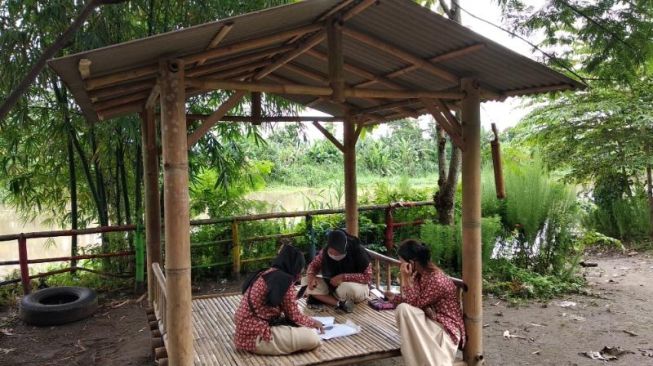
(617, 312)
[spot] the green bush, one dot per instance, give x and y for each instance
(625, 218)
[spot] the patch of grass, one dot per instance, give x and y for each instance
(506, 280)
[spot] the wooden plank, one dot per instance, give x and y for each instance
(400, 53)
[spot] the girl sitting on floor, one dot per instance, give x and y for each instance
(429, 317)
(268, 320)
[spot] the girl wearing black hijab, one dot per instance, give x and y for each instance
(268, 320)
(339, 275)
(428, 314)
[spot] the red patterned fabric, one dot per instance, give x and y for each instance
(316, 267)
(436, 294)
(249, 326)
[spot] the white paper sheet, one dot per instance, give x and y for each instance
(337, 330)
(325, 320)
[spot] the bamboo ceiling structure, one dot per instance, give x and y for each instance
(363, 62)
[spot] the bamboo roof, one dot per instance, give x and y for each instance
(387, 46)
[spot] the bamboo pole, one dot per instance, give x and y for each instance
(176, 210)
(256, 108)
(152, 203)
(292, 119)
(454, 131)
(306, 45)
(224, 30)
(235, 256)
(398, 52)
(153, 97)
(113, 91)
(401, 94)
(471, 217)
(235, 61)
(440, 58)
(125, 99)
(351, 200)
(498, 165)
(260, 87)
(539, 89)
(214, 118)
(336, 75)
(150, 70)
(329, 136)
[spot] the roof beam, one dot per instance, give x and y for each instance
(329, 136)
(453, 130)
(267, 119)
(217, 39)
(236, 61)
(440, 58)
(289, 88)
(402, 54)
(151, 70)
(387, 106)
(311, 42)
(215, 117)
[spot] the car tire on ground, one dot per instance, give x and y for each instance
(58, 305)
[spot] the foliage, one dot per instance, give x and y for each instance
(624, 218)
(509, 280)
(445, 242)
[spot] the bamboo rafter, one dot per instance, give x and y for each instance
(441, 114)
(398, 52)
(224, 30)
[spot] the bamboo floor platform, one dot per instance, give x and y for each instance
(213, 330)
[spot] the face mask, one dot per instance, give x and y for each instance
(338, 258)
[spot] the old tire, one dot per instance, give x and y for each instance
(58, 305)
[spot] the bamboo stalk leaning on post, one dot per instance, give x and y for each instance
(428, 313)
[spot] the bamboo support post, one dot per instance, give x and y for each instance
(336, 75)
(498, 165)
(388, 276)
(176, 210)
(152, 203)
(471, 223)
(310, 237)
(389, 229)
(306, 45)
(351, 200)
(24, 266)
(377, 272)
(235, 257)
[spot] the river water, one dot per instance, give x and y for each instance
(10, 223)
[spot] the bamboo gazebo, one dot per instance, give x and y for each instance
(364, 62)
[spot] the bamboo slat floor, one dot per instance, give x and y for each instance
(213, 330)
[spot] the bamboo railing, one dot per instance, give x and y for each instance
(159, 307)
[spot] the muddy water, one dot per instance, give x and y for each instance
(36, 248)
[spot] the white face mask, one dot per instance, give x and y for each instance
(337, 258)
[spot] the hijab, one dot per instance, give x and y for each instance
(289, 263)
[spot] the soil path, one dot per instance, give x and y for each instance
(621, 299)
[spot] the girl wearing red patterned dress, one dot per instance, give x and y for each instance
(268, 321)
(429, 317)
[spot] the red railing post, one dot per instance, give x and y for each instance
(389, 228)
(24, 266)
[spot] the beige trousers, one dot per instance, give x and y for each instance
(287, 339)
(354, 291)
(424, 342)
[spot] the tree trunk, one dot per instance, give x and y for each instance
(445, 197)
(73, 198)
(649, 190)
